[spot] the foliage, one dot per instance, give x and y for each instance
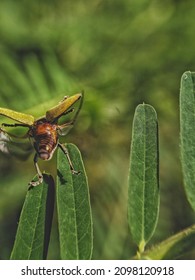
(143, 204)
(74, 214)
(32, 238)
(187, 117)
(122, 53)
(73, 205)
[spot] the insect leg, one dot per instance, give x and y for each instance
(64, 149)
(64, 128)
(15, 124)
(68, 111)
(63, 114)
(40, 175)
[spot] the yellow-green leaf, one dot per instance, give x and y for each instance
(17, 116)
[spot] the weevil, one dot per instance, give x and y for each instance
(43, 132)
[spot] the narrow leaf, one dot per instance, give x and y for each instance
(174, 248)
(33, 233)
(73, 205)
(17, 116)
(143, 193)
(187, 134)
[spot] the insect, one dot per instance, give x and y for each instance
(43, 132)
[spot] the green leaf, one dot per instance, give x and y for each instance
(33, 233)
(73, 205)
(143, 193)
(174, 247)
(17, 116)
(187, 134)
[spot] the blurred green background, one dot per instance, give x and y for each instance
(122, 53)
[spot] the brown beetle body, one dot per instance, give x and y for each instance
(45, 138)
